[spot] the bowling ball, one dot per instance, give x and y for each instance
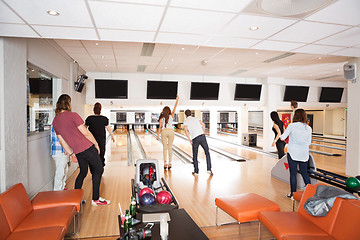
(146, 130)
(163, 197)
(145, 190)
(352, 182)
(147, 199)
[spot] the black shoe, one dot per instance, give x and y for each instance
(210, 172)
(169, 166)
(290, 196)
(195, 173)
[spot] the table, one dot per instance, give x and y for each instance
(181, 227)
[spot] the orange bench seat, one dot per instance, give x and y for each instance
(58, 198)
(245, 207)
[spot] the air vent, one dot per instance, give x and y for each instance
(141, 68)
(279, 57)
(147, 49)
(238, 72)
(323, 78)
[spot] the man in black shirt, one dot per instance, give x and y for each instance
(97, 124)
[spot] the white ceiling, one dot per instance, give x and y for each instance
(108, 35)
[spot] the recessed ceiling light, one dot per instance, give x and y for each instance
(102, 56)
(96, 44)
(235, 62)
(319, 58)
(183, 49)
(106, 65)
(256, 53)
(53, 13)
(337, 69)
(165, 67)
(254, 28)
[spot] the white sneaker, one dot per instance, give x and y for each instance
(100, 202)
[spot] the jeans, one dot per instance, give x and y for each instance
(90, 159)
(102, 143)
(303, 166)
(200, 140)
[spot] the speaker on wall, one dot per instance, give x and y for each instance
(350, 71)
(80, 83)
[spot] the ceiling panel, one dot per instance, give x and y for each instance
(150, 2)
(231, 42)
(239, 27)
(13, 30)
(346, 38)
(126, 16)
(127, 36)
(64, 32)
(277, 45)
(181, 20)
(348, 52)
(8, 16)
(35, 12)
(178, 38)
(318, 49)
(215, 5)
(69, 43)
(307, 32)
(341, 12)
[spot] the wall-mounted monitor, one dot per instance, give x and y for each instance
(331, 94)
(247, 92)
(161, 89)
(109, 88)
(204, 91)
(40, 85)
(297, 93)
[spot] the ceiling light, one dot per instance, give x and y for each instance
(183, 49)
(254, 28)
(102, 57)
(165, 67)
(319, 58)
(172, 59)
(97, 44)
(235, 62)
(256, 53)
(337, 69)
(106, 65)
(53, 13)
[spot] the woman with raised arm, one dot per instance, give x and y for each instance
(167, 133)
(278, 129)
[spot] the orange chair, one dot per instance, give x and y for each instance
(18, 219)
(301, 225)
(71, 197)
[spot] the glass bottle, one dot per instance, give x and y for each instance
(133, 207)
(127, 223)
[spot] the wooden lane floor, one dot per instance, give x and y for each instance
(196, 194)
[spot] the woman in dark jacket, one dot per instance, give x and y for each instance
(278, 129)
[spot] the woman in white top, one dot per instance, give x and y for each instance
(299, 134)
(167, 132)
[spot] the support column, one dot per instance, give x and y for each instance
(213, 122)
(353, 126)
(243, 122)
(271, 90)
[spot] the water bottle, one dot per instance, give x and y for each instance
(133, 207)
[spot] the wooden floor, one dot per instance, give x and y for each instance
(196, 194)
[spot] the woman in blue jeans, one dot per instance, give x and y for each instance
(299, 134)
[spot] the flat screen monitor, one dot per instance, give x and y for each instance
(204, 91)
(40, 85)
(109, 88)
(331, 94)
(247, 92)
(161, 89)
(297, 93)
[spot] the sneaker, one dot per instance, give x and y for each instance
(169, 166)
(195, 173)
(165, 167)
(290, 196)
(65, 188)
(100, 202)
(210, 172)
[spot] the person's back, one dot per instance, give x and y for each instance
(97, 124)
(194, 126)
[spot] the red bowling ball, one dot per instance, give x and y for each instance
(145, 190)
(163, 197)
